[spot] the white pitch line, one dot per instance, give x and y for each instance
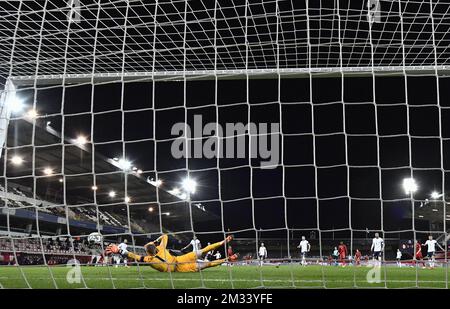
(234, 280)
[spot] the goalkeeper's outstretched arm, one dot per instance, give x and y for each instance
(114, 249)
(161, 241)
(151, 248)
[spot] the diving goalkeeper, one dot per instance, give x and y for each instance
(160, 258)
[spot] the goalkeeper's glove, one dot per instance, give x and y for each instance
(114, 249)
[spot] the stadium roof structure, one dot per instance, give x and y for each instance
(51, 41)
(79, 176)
(431, 211)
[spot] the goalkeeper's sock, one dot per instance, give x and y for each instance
(212, 263)
(216, 262)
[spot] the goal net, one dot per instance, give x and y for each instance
(271, 121)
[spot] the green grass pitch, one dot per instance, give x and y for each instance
(289, 276)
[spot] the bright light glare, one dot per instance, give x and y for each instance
(112, 194)
(48, 171)
(176, 191)
(94, 188)
(157, 183)
(16, 160)
(81, 140)
(124, 164)
(32, 113)
(435, 195)
(15, 104)
(150, 209)
(409, 185)
(127, 199)
(189, 185)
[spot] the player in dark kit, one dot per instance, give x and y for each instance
(418, 253)
(358, 257)
(342, 248)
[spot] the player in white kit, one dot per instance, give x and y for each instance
(399, 258)
(377, 247)
(305, 247)
(122, 246)
(431, 250)
(195, 243)
(262, 254)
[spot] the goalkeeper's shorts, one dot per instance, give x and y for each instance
(186, 263)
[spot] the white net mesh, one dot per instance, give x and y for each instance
(108, 107)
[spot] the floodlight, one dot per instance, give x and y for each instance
(81, 140)
(157, 183)
(409, 185)
(189, 185)
(32, 113)
(17, 160)
(48, 171)
(112, 194)
(435, 195)
(124, 164)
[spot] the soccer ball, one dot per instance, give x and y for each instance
(95, 238)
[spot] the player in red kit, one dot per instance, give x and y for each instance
(342, 253)
(418, 253)
(358, 257)
(230, 251)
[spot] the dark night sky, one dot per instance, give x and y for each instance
(300, 174)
